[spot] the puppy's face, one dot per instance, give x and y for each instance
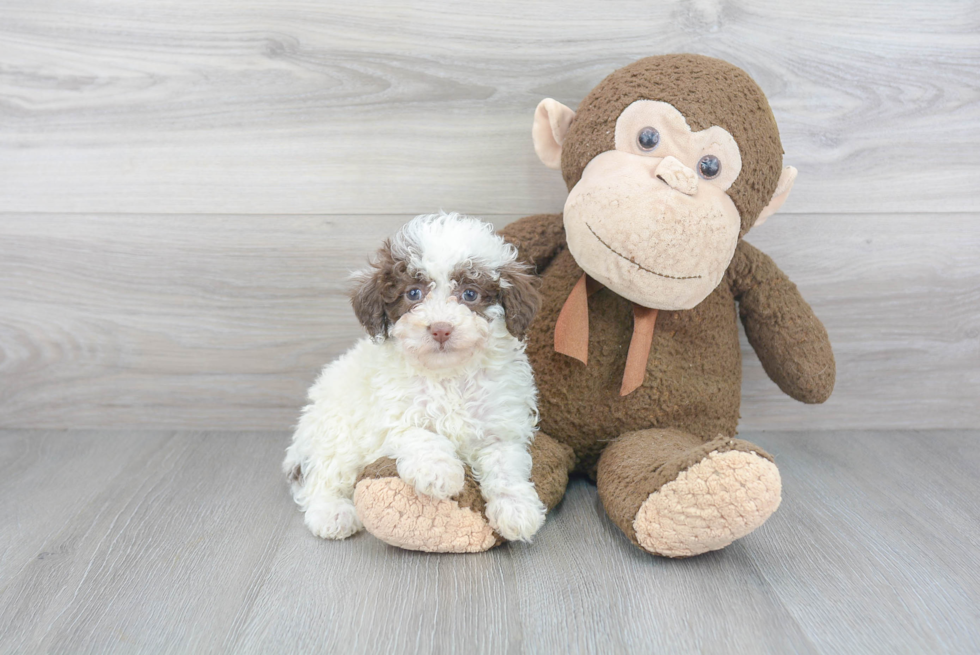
(444, 323)
(441, 292)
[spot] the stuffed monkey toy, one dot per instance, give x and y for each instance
(669, 162)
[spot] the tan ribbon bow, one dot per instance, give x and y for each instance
(572, 333)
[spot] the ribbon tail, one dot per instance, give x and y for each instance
(572, 326)
(644, 322)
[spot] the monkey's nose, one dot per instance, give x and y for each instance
(441, 331)
(677, 176)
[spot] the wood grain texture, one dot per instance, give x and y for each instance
(47, 478)
(892, 513)
(223, 322)
(198, 530)
(286, 107)
(196, 547)
(900, 297)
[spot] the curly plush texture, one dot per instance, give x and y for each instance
(637, 466)
(721, 498)
(688, 405)
(789, 339)
(392, 511)
(694, 373)
(581, 406)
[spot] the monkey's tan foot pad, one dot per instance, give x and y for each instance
(395, 513)
(709, 505)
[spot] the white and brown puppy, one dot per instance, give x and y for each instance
(441, 381)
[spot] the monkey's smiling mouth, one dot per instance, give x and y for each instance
(636, 263)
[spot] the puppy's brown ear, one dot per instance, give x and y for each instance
(369, 306)
(369, 295)
(519, 297)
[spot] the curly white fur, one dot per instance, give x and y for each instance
(430, 406)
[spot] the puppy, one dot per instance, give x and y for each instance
(441, 381)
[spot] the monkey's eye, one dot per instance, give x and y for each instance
(648, 138)
(414, 294)
(709, 167)
(469, 295)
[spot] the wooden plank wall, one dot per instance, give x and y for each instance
(184, 186)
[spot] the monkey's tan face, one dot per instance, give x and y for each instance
(651, 219)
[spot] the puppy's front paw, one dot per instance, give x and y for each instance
(516, 518)
(332, 519)
(433, 474)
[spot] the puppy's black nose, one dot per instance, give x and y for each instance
(441, 331)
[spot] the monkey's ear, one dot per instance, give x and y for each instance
(783, 187)
(551, 121)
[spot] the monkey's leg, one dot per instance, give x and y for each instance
(673, 494)
(392, 511)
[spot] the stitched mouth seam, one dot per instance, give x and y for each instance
(638, 265)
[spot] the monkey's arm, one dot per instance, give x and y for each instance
(538, 238)
(789, 339)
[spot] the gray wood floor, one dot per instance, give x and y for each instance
(126, 542)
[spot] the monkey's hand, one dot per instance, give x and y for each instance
(789, 339)
(537, 238)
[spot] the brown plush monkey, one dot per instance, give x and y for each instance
(669, 162)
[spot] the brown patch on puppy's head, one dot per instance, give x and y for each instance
(707, 92)
(512, 288)
(520, 297)
(379, 297)
(480, 281)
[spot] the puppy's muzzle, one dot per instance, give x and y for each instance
(441, 331)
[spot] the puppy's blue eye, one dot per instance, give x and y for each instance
(469, 295)
(648, 138)
(414, 295)
(709, 167)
